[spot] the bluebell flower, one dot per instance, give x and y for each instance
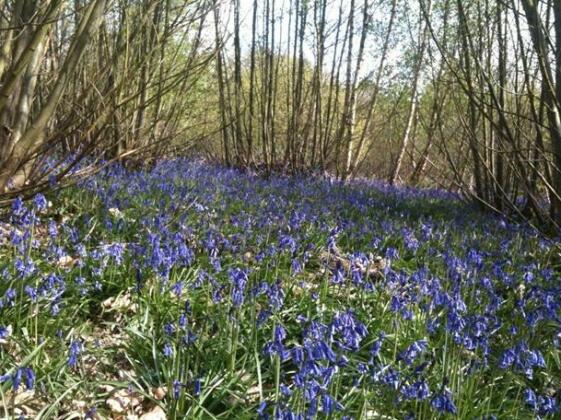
(76, 349)
(338, 274)
(415, 350)
(182, 321)
(329, 404)
(392, 253)
(197, 387)
(416, 391)
(262, 317)
(433, 325)
(530, 398)
(16, 379)
(388, 376)
(377, 346)
(262, 407)
(176, 389)
(396, 304)
(486, 283)
(410, 241)
(280, 333)
(52, 229)
(313, 408)
(24, 268)
(216, 265)
(29, 377)
(547, 406)
(522, 358)
(276, 296)
(296, 266)
(286, 414)
(276, 346)
(5, 378)
(18, 208)
(115, 251)
(189, 338)
(443, 403)
(320, 350)
(4, 332)
(547, 273)
(168, 350)
(169, 328)
(287, 242)
(297, 353)
(285, 391)
(177, 288)
(55, 308)
(239, 280)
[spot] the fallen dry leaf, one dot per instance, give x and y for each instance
(115, 212)
(121, 303)
(66, 261)
(159, 393)
(157, 413)
(122, 401)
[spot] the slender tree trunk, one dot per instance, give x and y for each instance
(552, 87)
(375, 92)
(238, 88)
(220, 80)
(412, 110)
(249, 133)
(21, 156)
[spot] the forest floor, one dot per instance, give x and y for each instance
(193, 291)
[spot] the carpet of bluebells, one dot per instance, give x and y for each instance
(206, 292)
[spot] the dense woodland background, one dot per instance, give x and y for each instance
(459, 94)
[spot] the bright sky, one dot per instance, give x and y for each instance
(372, 47)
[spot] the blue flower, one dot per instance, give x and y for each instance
(413, 351)
(76, 348)
(16, 379)
(388, 376)
(261, 409)
(288, 243)
(280, 334)
(276, 346)
(522, 358)
(296, 266)
(262, 317)
(18, 208)
(530, 398)
(168, 350)
(377, 346)
(176, 389)
(4, 332)
(329, 404)
(40, 202)
(197, 387)
(338, 274)
(392, 253)
(239, 280)
(547, 406)
(443, 403)
(418, 391)
(507, 359)
(276, 296)
(286, 391)
(29, 376)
